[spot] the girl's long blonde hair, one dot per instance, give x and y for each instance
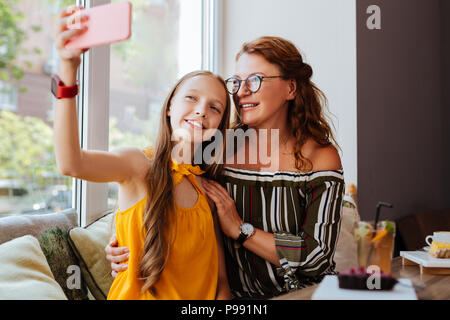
(160, 190)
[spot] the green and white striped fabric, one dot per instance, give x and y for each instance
(302, 210)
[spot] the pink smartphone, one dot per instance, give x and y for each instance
(106, 24)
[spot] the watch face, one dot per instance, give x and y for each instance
(54, 84)
(55, 81)
(247, 229)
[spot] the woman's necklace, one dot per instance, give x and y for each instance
(285, 147)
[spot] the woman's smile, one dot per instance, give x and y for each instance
(248, 106)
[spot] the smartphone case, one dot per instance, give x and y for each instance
(106, 24)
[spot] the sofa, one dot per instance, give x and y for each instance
(50, 257)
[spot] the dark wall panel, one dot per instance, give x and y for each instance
(402, 134)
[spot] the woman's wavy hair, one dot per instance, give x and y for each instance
(305, 115)
(160, 204)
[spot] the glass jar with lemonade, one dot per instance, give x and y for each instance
(375, 248)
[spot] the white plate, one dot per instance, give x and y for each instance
(427, 248)
(329, 289)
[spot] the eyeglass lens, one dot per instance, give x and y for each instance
(253, 83)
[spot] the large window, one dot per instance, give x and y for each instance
(122, 88)
(166, 43)
(29, 180)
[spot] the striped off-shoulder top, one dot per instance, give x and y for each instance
(302, 210)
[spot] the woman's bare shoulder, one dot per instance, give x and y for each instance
(324, 158)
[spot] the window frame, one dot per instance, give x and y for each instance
(212, 29)
(90, 199)
(12, 96)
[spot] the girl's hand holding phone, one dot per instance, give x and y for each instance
(108, 23)
(69, 59)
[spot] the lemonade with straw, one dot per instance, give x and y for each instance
(375, 249)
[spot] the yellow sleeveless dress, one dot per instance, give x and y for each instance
(192, 268)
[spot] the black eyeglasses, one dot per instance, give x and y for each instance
(253, 83)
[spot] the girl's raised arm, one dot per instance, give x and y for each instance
(119, 165)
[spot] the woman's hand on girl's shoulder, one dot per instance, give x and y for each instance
(226, 208)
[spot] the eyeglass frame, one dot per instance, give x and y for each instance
(261, 78)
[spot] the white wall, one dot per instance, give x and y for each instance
(325, 33)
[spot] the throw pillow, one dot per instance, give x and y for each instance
(63, 262)
(51, 231)
(89, 244)
(25, 273)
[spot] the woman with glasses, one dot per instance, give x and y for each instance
(280, 226)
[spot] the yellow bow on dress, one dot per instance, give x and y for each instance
(179, 170)
(182, 169)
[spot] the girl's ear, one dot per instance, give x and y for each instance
(292, 89)
(168, 112)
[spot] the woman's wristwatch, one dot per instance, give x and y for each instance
(247, 230)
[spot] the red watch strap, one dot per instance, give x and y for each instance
(66, 92)
(61, 91)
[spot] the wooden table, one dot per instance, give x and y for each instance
(435, 287)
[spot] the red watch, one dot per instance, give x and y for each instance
(60, 91)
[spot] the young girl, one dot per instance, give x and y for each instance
(164, 216)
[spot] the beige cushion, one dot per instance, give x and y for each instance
(51, 231)
(25, 273)
(346, 250)
(89, 245)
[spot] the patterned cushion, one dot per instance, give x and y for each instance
(89, 245)
(51, 231)
(25, 273)
(63, 262)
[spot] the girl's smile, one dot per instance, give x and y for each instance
(196, 124)
(198, 105)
